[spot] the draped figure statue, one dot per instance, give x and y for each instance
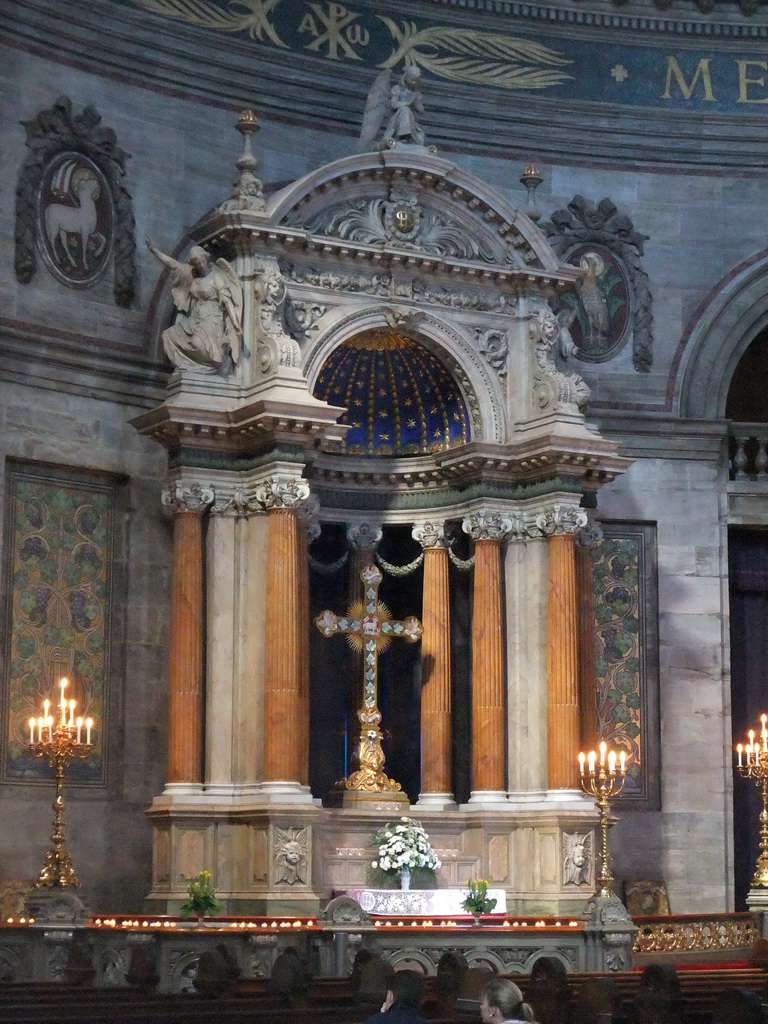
(209, 299)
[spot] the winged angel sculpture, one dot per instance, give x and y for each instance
(402, 102)
(209, 300)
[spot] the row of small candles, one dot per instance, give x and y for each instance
(752, 750)
(604, 756)
(39, 726)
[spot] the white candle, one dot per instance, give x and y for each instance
(582, 759)
(612, 762)
(623, 761)
(739, 750)
(603, 748)
(88, 724)
(63, 702)
(79, 729)
(591, 758)
(72, 704)
(31, 731)
(50, 728)
(40, 730)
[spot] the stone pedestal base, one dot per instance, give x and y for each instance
(290, 858)
(261, 857)
(757, 901)
(55, 905)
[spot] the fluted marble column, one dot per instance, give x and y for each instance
(185, 656)
(563, 725)
(488, 715)
(585, 600)
(310, 530)
(285, 729)
(436, 761)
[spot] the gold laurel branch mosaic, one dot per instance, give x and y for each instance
(457, 54)
(484, 58)
(251, 16)
(707, 933)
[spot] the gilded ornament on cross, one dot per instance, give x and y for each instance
(369, 627)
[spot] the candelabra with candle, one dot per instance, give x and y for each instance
(61, 741)
(601, 780)
(753, 764)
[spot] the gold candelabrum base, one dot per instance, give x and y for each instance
(370, 777)
(61, 746)
(756, 767)
(602, 781)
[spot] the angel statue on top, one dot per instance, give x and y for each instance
(209, 300)
(401, 103)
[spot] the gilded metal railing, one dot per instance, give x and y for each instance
(695, 932)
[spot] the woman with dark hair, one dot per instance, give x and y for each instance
(403, 1000)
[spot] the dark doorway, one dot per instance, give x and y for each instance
(748, 572)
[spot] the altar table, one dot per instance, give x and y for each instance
(419, 902)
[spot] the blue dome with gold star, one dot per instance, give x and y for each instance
(400, 399)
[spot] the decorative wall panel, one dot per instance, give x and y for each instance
(58, 553)
(626, 652)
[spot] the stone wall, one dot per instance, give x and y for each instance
(75, 368)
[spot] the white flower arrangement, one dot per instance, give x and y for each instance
(403, 845)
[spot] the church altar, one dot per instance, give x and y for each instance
(419, 902)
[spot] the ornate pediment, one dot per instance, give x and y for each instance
(420, 205)
(409, 219)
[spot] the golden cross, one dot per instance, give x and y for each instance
(369, 627)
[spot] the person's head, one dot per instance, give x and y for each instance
(502, 1000)
(198, 260)
(407, 987)
(412, 75)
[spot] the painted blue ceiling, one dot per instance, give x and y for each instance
(400, 399)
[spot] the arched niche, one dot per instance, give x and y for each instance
(453, 347)
(735, 313)
(401, 399)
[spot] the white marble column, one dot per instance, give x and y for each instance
(526, 561)
(236, 582)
